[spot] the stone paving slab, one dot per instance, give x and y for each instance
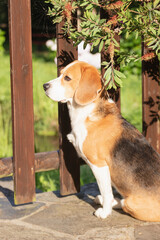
(109, 234)
(17, 230)
(8, 211)
(77, 219)
(151, 231)
(68, 218)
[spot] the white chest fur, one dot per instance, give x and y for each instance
(78, 115)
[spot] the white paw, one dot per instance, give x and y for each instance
(70, 137)
(102, 213)
(116, 204)
(99, 200)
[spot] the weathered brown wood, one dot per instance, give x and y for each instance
(151, 100)
(114, 94)
(6, 167)
(69, 162)
(22, 100)
(44, 161)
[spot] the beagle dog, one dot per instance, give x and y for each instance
(117, 152)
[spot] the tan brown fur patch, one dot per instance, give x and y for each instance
(73, 72)
(89, 85)
(84, 84)
(103, 127)
(143, 207)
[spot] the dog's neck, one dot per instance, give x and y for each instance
(79, 113)
(95, 111)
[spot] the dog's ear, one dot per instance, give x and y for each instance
(89, 86)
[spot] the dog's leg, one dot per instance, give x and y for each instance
(99, 200)
(116, 203)
(102, 176)
(71, 137)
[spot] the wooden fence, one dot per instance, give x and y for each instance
(25, 162)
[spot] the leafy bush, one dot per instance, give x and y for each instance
(124, 17)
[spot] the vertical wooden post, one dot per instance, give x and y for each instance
(151, 100)
(69, 161)
(22, 100)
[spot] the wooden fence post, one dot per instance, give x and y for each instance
(69, 161)
(22, 100)
(151, 100)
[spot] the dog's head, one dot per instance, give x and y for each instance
(78, 80)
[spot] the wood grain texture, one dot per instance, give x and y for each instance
(69, 161)
(44, 161)
(151, 100)
(22, 100)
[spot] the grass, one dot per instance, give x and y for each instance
(131, 99)
(131, 92)
(5, 108)
(45, 112)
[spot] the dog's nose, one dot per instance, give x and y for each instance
(46, 86)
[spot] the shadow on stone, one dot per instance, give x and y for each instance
(9, 194)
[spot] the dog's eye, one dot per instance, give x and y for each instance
(67, 78)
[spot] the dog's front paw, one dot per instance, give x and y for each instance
(70, 137)
(99, 200)
(102, 213)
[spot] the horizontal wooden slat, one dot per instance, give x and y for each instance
(44, 161)
(6, 167)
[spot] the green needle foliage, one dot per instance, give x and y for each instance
(124, 18)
